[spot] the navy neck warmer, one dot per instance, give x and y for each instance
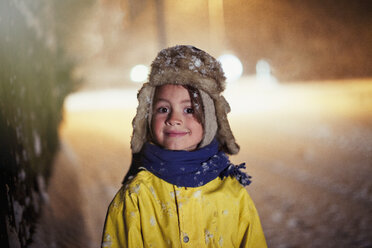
(191, 168)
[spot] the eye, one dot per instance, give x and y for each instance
(189, 110)
(162, 110)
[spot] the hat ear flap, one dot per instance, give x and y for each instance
(210, 120)
(224, 135)
(140, 121)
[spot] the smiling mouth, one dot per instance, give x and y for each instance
(175, 134)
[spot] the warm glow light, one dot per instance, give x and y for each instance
(232, 67)
(263, 74)
(263, 69)
(103, 99)
(249, 97)
(139, 73)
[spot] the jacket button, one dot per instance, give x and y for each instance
(186, 239)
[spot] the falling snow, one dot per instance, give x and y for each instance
(37, 144)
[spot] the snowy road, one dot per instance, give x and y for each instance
(308, 148)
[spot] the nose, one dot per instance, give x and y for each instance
(174, 119)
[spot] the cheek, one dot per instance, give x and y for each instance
(156, 125)
(201, 131)
(198, 130)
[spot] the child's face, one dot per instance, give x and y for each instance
(173, 124)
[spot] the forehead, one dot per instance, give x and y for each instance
(171, 92)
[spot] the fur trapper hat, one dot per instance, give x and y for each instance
(187, 65)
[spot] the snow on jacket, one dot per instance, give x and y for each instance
(149, 212)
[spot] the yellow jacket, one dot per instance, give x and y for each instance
(149, 212)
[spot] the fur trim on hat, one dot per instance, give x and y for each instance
(139, 123)
(210, 120)
(186, 65)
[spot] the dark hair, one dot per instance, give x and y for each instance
(196, 102)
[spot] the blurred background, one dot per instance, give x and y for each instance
(299, 82)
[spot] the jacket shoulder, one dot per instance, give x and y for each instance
(142, 177)
(142, 180)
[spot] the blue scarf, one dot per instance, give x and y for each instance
(191, 169)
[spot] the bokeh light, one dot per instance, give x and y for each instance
(139, 73)
(263, 74)
(232, 67)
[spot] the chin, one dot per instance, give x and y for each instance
(179, 147)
